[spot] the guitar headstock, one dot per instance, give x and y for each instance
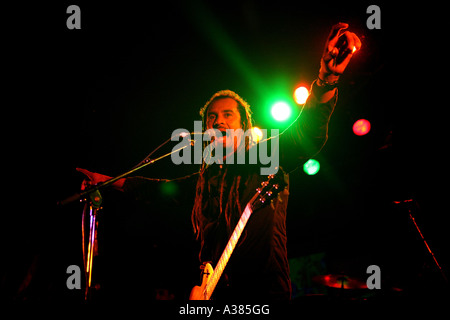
(269, 189)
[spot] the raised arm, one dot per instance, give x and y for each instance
(336, 56)
(309, 134)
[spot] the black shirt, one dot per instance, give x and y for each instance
(258, 268)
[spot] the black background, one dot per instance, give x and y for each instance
(104, 96)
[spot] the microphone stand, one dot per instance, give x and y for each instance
(426, 244)
(93, 199)
(82, 195)
(409, 203)
(94, 204)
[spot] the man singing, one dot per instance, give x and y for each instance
(258, 267)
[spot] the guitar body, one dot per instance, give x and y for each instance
(199, 292)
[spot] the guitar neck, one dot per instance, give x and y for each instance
(268, 189)
(218, 270)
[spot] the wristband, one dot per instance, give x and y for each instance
(325, 84)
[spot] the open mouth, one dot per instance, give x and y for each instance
(222, 136)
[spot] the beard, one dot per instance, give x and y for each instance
(226, 145)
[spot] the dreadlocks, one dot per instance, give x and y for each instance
(198, 218)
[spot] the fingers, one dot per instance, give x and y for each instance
(84, 171)
(338, 35)
(353, 42)
(349, 43)
(341, 45)
(334, 35)
(92, 176)
(86, 184)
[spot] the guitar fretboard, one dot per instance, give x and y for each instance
(211, 285)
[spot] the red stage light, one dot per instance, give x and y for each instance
(361, 127)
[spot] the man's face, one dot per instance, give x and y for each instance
(223, 114)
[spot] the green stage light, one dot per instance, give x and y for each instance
(311, 167)
(169, 189)
(281, 111)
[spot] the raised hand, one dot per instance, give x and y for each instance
(95, 178)
(338, 52)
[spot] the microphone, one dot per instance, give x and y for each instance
(210, 133)
(185, 134)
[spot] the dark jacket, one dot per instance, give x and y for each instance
(258, 267)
